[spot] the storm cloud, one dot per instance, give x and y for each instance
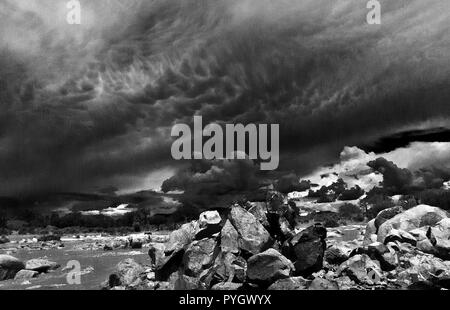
(92, 105)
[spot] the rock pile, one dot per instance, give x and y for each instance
(255, 246)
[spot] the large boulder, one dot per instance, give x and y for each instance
(199, 256)
(306, 249)
(253, 237)
(259, 210)
(41, 265)
(418, 216)
(9, 266)
(179, 239)
(229, 238)
(268, 267)
(128, 273)
(361, 269)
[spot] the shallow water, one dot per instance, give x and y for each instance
(96, 266)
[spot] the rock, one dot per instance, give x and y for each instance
(9, 266)
(418, 216)
(199, 256)
(337, 254)
(229, 267)
(361, 269)
(306, 249)
(293, 283)
(179, 281)
(385, 215)
(350, 234)
(227, 286)
(179, 239)
(259, 210)
(3, 240)
(253, 237)
(128, 274)
(229, 238)
(400, 236)
(319, 284)
(41, 265)
(156, 253)
(384, 255)
(268, 267)
(25, 275)
(208, 218)
(371, 231)
(209, 223)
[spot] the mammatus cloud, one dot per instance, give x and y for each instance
(90, 106)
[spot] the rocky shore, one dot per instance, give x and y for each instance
(259, 245)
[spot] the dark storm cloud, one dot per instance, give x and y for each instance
(84, 105)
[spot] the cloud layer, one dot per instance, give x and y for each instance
(93, 105)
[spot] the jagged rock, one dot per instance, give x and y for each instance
(292, 283)
(41, 265)
(253, 237)
(361, 269)
(400, 236)
(229, 238)
(156, 253)
(25, 275)
(306, 249)
(227, 286)
(259, 210)
(128, 273)
(319, 284)
(418, 216)
(371, 233)
(9, 266)
(268, 267)
(179, 239)
(199, 256)
(229, 267)
(337, 254)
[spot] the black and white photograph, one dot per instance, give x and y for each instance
(224, 145)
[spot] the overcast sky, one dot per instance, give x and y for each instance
(92, 105)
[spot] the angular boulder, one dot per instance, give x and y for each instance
(306, 249)
(229, 238)
(268, 267)
(199, 256)
(253, 237)
(9, 266)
